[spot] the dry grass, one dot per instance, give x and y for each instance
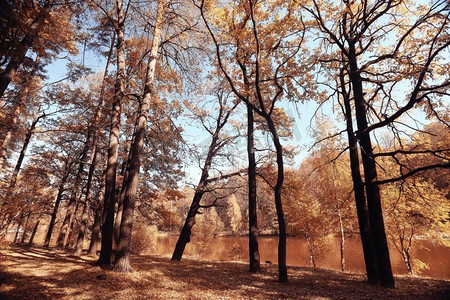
(38, 273)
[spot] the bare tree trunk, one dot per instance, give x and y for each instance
(33, 233)
(16, 114)
(19, 225)
(122, 260)
(63, 236)
(255, 265)
(407, 261)
(214, 147)
(82, 230)
(25, 231)
(282, 267)
(342, 243)
(7, 140)
(15, 174)
(341, 221)
(20, 54)
(97, 226)
(85, 213)
(121, 199)
(95, 234)
(51, 225)
(26, 142)
(312, 259)
(73, 226)
(106, 251)
(370, 175)
(185, 235)
(360, 198)
(5, 225)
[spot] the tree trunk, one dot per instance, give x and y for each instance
(360, 198)
(19, 225)
(73, 227)
(185, 235)
(51, 225)
(85, 213)
(63, 236)
(82, 230)
(24, 150)
(96, 227)
(95, 234)
(255, 264)
(106, 251)
(19, 55)
(282, 267)
(341, 225)
(312, 259)
(6, 222)
(407, 261)
(121, 199)
(370, 174)
(7, 140)
(33, 233)
(341, 221)
(122, 260)
(16, 114)
(98, 219)
(25, 231)
(16, 171)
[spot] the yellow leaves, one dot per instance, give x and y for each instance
(419, 266)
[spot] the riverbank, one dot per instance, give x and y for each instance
(38, 273)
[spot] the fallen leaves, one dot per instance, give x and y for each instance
(38, 273)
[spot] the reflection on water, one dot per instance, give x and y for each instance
(437, 257)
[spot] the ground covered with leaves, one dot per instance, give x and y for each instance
(38, 273)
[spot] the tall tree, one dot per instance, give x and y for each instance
(68, 163)
(122, 263)
(106, 251)
(352, 31)
(255, 52)
(254, 261)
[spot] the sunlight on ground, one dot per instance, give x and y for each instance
(37, 273)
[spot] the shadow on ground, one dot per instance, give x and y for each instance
(40, 273)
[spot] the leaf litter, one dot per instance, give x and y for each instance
(40, 273)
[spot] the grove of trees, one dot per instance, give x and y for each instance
(199, 91)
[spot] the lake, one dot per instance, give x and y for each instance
(436, 256)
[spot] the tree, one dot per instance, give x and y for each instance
(254, 260)
(355, 46)
(42, 27)
(216, 145)
(121, 262)
(106, 251)
(255, 52)
(39, 115)
(68, 163)
(29, 82)
(416, 206)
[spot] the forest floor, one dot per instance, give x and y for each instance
(39, 273)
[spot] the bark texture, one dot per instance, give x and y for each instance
(254, 261)
(376, 221)
(106, 252)
(122, 257)
(51, 225)
(25, 44)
